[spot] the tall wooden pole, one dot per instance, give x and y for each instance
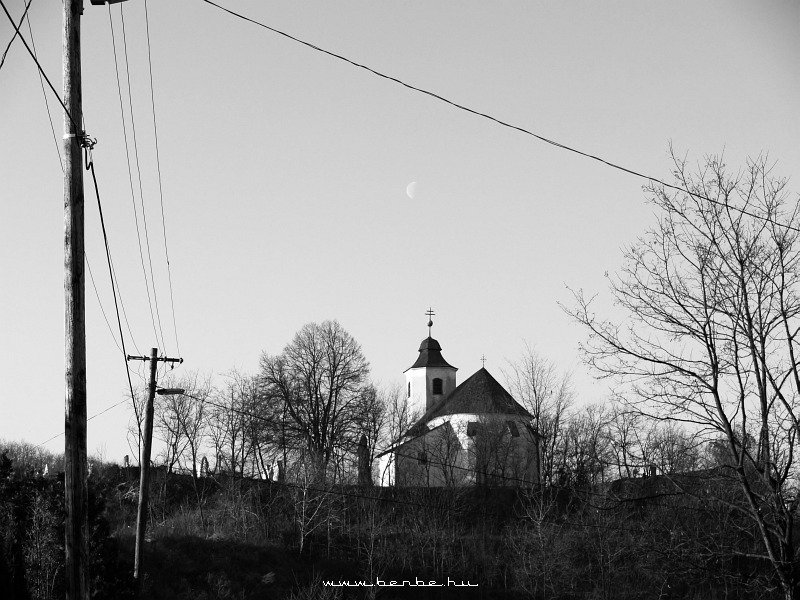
(144, 473)
(75, 489)
(144, 461)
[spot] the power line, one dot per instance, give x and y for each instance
(160, 188)
(139, 172)
(44, 96)
(78, 130)
(133, 198)
(501, 122)
(90, 167)
(122, 305)
(16, 33)
(91, 277)
(102, 412)
(113, 271)
(130, 173)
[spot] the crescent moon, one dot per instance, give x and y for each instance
(411, 189)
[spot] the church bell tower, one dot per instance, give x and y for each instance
(430, 379)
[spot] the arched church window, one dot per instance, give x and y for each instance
(437, 386)
(409, 389)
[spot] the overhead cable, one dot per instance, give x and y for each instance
(16, 33)
(160, 188)
(122, 305)
(102, 310)
(501, 122)
(44, 96)
(130, 173)
(90, 167)
(87, 143)
(79, 131)
(139, 173)
(102, 412)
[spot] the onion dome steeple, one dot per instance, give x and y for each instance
(430, 352)
(430, 355)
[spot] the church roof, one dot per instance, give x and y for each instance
(430, 355)
(479, 394)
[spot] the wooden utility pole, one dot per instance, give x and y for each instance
(144, 470)
(75, 467)
(144, 463)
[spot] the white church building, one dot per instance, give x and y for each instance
(473, 433)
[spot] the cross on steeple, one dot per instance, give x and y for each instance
(483, 361)
(430, 314)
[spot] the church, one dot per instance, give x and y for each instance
(473, 433)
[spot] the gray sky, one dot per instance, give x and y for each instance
(284, 175)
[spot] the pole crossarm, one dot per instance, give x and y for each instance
(158, 358)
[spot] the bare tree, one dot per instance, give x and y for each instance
(42, 559)
(169, 412)
(639, 445)
(539, 546)
(373, 420)
(319, 378)
(399, 419)
(240, 425)
(676, 450)
(310, 499)
(134, 433)
(547, 394)
(711, 294)
(501, 453)
(623, 440)
(31, 458)
(182, 419)
(587, 448)
(443, 460)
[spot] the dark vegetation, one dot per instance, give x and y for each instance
(32, 536)
(646, 537)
